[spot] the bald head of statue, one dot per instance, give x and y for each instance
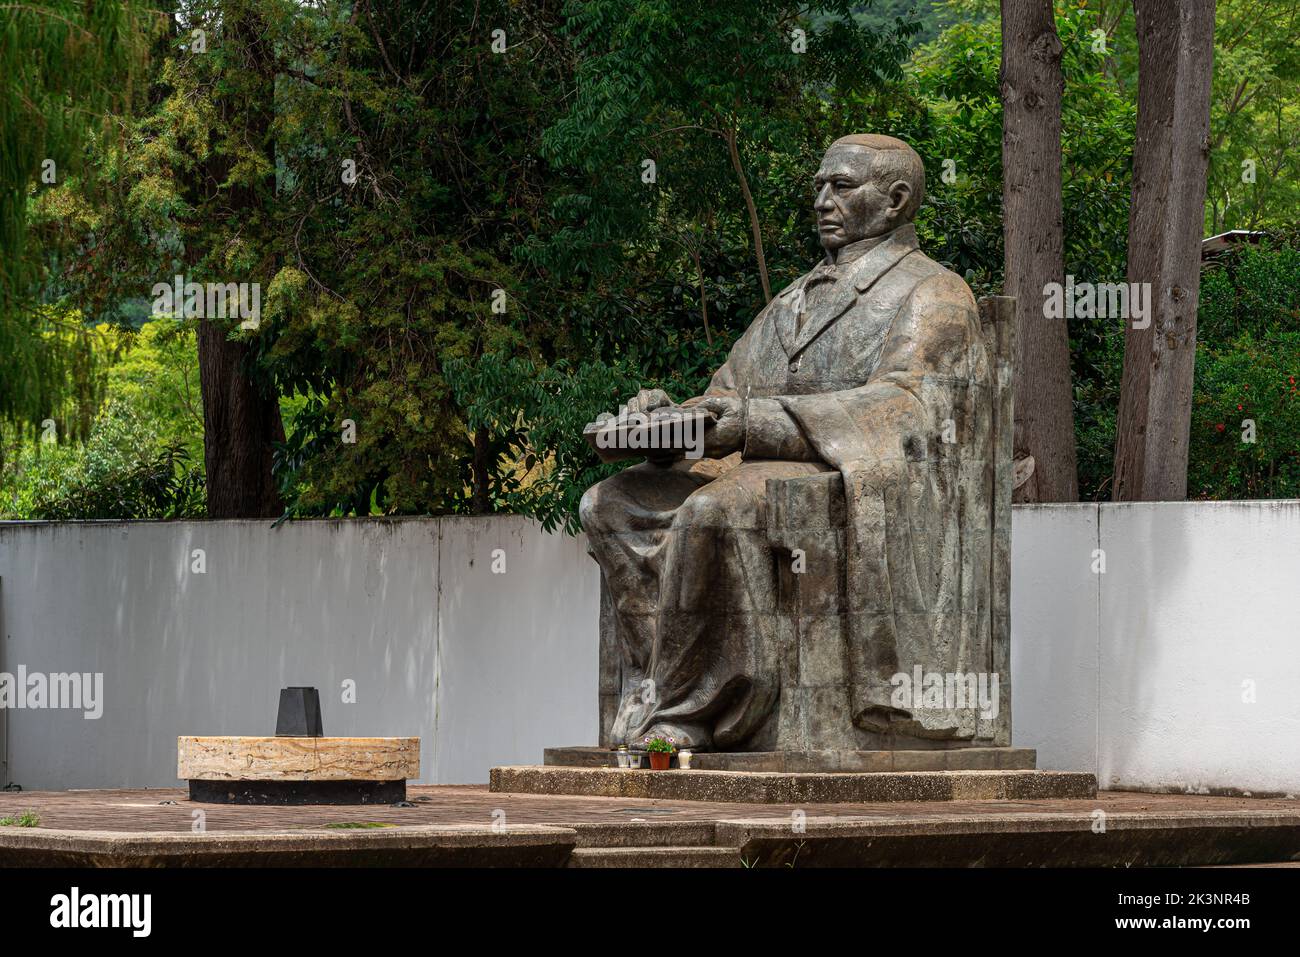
(868, 185)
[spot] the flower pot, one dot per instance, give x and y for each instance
(660, 760)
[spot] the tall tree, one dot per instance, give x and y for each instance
(1031, 87)
(189, 188)
(1170, 157)
(64, 64)
(241, 416)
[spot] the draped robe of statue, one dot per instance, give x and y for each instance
(874, 366)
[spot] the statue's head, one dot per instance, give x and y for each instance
(867, 186)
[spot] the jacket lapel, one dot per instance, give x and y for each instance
(785, 315)
(863, 275)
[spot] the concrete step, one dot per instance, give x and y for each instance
(1068, 838)
(1295, 864)
(655, 857)
(646, 834)
(797, 788)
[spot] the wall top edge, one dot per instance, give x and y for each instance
(1258, 504)
(1193, 505)
(377, 521)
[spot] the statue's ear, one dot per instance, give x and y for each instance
(900, 193)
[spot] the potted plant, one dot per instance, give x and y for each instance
(660, 751)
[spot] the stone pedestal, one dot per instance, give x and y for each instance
(860, 762)
(803, 777)
(288, 770)
(773, 787)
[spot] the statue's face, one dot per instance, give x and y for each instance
(849, 206)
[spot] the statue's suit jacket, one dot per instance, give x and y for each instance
(888, 381)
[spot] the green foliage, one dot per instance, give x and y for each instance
(535, 417)
(1247, 368)
(71, 385)
(660, 745)
(156, 373)
(28, 818)
(675, 258)
(141, 453)
(122, 472)
(950, 110)
(500, 270)
(661, 276)
(1247, 365)
(63, 63)
(607, 284)
(738, 78)
(390, 276)
(357, 825)
(1254, 176)
(882, 15)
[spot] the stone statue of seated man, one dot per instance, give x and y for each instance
(873, 367)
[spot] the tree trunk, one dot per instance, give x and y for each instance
(704, 298)
(480, 504)
(1031, 85)
(1170, 157)
(239, 427)
(240, 421)
(751, 209)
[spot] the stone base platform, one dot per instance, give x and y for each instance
(775, 787)
(455, 825)
(292, 770)
(862, 762)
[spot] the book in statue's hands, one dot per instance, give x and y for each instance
(666, 433)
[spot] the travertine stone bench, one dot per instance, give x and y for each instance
(292, 770)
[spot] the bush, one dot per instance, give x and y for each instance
(535, 417)
(1245, 430)
(1246, 420)
(122, 472)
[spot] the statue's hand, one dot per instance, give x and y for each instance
(647, 400)
(727, 433)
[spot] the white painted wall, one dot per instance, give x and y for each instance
(1142, 673)
(1054, 666)
(1136, 673)
(486, 668)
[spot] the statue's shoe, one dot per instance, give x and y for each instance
(680, 738)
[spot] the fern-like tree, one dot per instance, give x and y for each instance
(65, 67)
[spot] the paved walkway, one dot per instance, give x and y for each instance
(153, 810)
